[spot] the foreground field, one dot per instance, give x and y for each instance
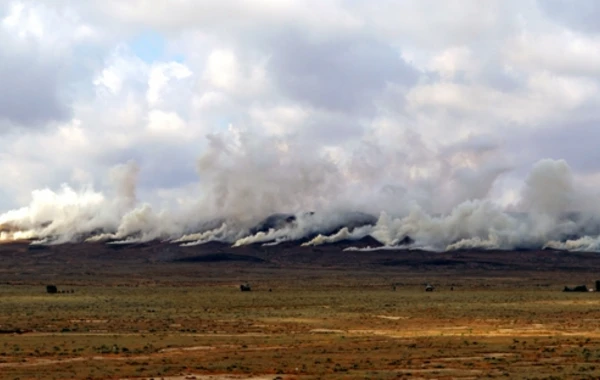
(187, 331)
(158, 310)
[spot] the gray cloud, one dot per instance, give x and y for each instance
(581, 15)
(576, 143)
(344, 74)
(162, 165)
(32, 88)
(323, 79)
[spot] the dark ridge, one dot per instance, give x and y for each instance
(221, 257)
(81, 237)
(119, 246)
(37, 247)
(526, 249)
(407, 240)
(350, 220)
(168, 262)
(275, 221)
(209, 245)
(367, 241)
(554, 249)
(356, 219)
(288, 244)
(414, 262)
(204, 226)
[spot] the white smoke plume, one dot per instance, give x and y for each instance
(308, 224)
(343, 234)
(586, 243)
(549, 189)
(248, 180)
(69, 215)
(216, 234)
(61, 216)
(548, 195)
(141, 224)
(268, 191)
(124, 179)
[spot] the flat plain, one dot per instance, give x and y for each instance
(163, 311)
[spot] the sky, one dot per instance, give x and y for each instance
(461, 98)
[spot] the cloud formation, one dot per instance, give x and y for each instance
(196, 110)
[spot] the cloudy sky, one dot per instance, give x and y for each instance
(377, 92)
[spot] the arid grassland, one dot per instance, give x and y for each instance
(159, 331)
(132, 316)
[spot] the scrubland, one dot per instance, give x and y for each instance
(331, 329)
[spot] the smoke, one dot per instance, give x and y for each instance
(216, 234)
(308, 225)
(247, 180)
(268, 191)
(69, 215)
(343, 234)
(139, 225)
(549, 189)
(476, 220)
(548, 195)
(60, 216)
(124, 179)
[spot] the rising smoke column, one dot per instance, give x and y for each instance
(246, 180)
(68, 215)
(311, 225)
(124, 179)
(548, 195)
(65, 212)
(378, 179)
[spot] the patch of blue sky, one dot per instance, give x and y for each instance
(151, 46)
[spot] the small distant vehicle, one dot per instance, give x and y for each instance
(51, 289)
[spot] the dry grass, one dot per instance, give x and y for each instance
(105, 332)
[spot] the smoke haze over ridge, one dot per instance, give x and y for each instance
(294, 123)
(324, 201)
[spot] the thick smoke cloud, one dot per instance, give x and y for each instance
(247, 179)
(69, 215)
(268, 192)
(124, 178)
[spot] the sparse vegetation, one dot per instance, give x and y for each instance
(469, 333)
(319, 321)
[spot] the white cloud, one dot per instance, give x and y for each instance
(231, 16)
(281, 119)
(452, 61)
(562, 92)
(209, 100)
(159, 78)
(560, 51)
(222, 70)
(56, 29)
(165, 122)
(379, 88)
